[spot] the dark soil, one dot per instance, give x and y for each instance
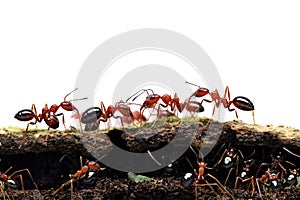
(51, 165)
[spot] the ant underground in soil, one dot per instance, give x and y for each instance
(86, 175)
(8, 182)
(201, 179)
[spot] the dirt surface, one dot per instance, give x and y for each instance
(51, 165)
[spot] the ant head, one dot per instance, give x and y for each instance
(249, 163)
(294, 171)
(151, 100)
(274, 175)
(278, 157)
(93, 165)
(200, 92)
(67, 104)
(202, 164)
(231, 152)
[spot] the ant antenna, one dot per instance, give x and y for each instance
(153, 158)
(70, 93)
(74, 99)
(197, 154)
(189, 162)
(142, 91)
(79, 99)
(8, 170)
(192, 84)
(296, 155)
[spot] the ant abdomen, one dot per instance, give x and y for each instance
(91, 115)
(243, 103)
(25, 115)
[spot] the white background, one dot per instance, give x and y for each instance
(254, 45)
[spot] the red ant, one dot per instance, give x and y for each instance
(94, 115)
(152, 100)
(48, 115)
(239, 102)
(86, 174)
(271, 180)
(201, 177)
(230, 160)
(278, 163)
(246, 175)
(136, 116)
(174, 103)
(292, 178)
(7, 182)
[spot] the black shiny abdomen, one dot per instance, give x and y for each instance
(25, 115)
(91, 115)
(243, 103)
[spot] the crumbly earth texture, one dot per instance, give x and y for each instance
(51, 165)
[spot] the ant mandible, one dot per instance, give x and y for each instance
(240, 102)
(48, 115)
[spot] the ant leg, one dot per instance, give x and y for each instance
(228, 175)
(262, 164)
(45, 142)
(233, 109)
(210, 119)
(61, 187)
(259, 191)
(33, 108)
(71, 187)
(121, 120)
(210, 186)
(26, 170)
(25, 133)
(221, 187)
(80, 158)
(253, 116)
(206, 100)
(63, 119)
(236, 182)
(253, 185)
(220, 160)
(4, 193)
(22, 185)
(245, 180)
(227, 92)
